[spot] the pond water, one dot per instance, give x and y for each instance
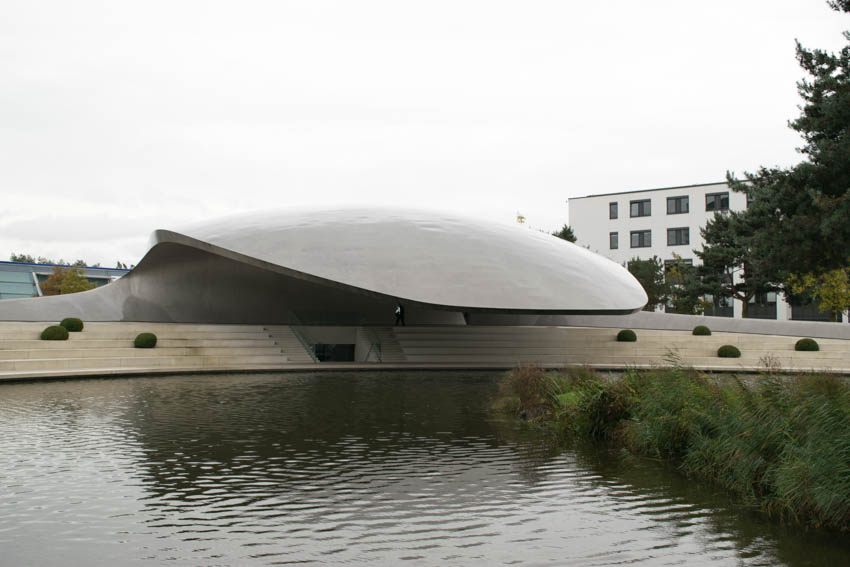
(355, 468)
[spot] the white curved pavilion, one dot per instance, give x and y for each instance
(349, 266)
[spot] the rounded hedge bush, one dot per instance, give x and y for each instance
(807, 344)
(626, 336)
(702, 330)
(728, 351)
(73, 324)
(54, 333)
(145, 340)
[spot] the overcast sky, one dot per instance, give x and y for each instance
(118, 118)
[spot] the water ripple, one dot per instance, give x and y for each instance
(340, 469)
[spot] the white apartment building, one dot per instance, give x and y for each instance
(663, 222)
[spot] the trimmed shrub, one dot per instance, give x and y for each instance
(728, 351)
(702, 330)
(145, 340)
(73, 324)
(807, 344)
(54, 333)
(626, 336)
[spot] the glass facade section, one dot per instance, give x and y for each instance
(18, 279)
(16, 284)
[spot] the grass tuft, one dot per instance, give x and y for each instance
(782, 443)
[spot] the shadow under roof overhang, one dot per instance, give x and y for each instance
(185, 280)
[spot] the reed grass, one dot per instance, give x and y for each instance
(779, 442)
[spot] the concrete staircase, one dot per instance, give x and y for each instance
(559, 346)
(296, 352)
(107, 348)
(391, 350)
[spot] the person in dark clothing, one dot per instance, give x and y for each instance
(399, 314)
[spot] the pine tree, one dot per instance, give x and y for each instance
(650, 274)
(729, 266)
(566, 233)
(799, 216)
(684, 287)
(25, 258)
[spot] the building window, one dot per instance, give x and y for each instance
(612, 210)
(678, 236)
(717, 201)
(677, 205)
(614, 240)
(640, 208)
(641, 238)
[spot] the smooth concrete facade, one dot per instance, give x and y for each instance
(349, 267)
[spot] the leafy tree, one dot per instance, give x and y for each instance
(66, 280)
(566, 233)
(831, 289)
(799, 215)
(729, 266)
(650, 274)
(26, 258)
(44, 260)
(53, 281)
(75, 282)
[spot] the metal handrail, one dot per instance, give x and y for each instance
(311, 349)
(374, 344)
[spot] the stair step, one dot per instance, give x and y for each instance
(136, 352)
(138, 362)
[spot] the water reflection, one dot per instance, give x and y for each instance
(268, 469)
